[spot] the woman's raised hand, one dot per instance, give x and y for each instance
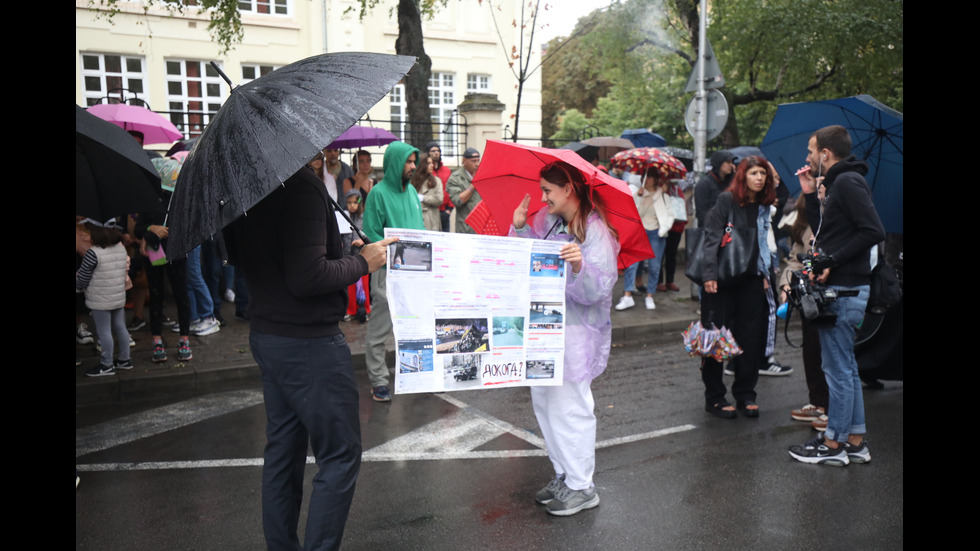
(520, 213)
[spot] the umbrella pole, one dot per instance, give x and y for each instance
(343, 213)
(222, 74)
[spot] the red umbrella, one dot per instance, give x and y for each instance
(643, 159)
(155, 127)
(509, 171)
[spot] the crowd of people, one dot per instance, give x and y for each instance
(304, 275)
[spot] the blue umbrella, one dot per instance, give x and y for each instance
(642, 137)
(877, 134)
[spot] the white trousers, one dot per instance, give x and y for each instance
(567, 419)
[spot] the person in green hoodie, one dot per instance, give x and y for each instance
(392, 203)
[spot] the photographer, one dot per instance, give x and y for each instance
(844, 233)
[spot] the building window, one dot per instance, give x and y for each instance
(477, 84)
(114, 76)
(251, 71)
(275, 7)
(398, 110)
(194, 93)
(442, 103)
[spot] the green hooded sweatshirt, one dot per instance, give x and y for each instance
(392, 202)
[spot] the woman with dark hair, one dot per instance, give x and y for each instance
(429, 189)
(742, 306)
(566, 413)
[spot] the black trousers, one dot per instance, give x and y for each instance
(744, 310)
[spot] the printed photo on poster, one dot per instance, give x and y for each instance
(461, 336)
(546, 315)
(414, 356)
(546, 265)
(410, 256)
(461, 371)
(508, 331)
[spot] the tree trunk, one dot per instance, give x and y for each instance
(409, 42)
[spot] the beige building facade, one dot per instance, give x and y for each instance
(163, 59)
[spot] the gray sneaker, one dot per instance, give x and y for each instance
(546, 494)
(568, 501)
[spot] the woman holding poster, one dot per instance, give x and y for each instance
(566, 413)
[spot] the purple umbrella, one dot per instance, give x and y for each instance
(362, 136)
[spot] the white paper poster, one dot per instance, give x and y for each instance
(475, 311)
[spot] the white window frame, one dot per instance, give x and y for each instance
(190, 121)
(442, 104)
(478, 83)
(282, 8)
(398, 110)
(257, 67)
(125, 76)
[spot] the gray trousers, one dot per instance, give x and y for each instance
(109, 324)
(378, 329)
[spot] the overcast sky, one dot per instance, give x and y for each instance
(561, 15)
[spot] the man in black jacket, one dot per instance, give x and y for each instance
(297, 276)
(845, 231)
(713, 183)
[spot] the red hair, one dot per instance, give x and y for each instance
(740, 191)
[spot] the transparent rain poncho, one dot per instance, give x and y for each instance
(588, 294)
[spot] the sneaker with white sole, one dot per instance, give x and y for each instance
(184, 352)
(122, 364)
(820, 423)
(568, 501)
(859, 453)
(649, 303)
(625, 302)
(207, 326)
(546, 494)
(83, 335)
(816, 452)
(775, 369)
(100, 371)
(807, 413)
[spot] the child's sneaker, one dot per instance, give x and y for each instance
(184, 352)
(159, 353)
(100, 371)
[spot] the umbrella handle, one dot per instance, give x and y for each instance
(222, 74)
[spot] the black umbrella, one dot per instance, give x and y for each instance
(588, 152)
(113, 175)
(267, 130)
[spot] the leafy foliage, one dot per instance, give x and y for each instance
(770, 52)
(225, 26)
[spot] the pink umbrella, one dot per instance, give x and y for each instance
(362, 136)
(155, 127)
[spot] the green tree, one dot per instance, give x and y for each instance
(225, 26)
(770, 52)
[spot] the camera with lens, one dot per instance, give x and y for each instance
(812, 297)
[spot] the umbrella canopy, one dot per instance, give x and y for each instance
(642, 137)
(267, 130)
(155, 128)
(645, 159)
(685, 156)
(113, 176)
(169, 169)
(588, 152)
(510, 170)
(363, 136)
(609, 145)
(744, 151)
(877, 134)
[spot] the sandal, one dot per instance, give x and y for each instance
(718, 410)
(747, 409)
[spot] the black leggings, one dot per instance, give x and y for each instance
(176, 271)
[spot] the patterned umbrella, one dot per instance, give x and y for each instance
(644, 159)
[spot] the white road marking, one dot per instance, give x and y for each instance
(158, 420)
(451, 437)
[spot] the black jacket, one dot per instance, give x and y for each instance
(849, 225)
(706, 193)
(715, 222)
(290, 249)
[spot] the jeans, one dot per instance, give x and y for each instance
(310, 400)
(200, 296)
(658, 244)
(846, 408)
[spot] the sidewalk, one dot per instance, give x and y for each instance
(224, 358)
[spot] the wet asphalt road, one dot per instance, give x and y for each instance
(459, 470)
